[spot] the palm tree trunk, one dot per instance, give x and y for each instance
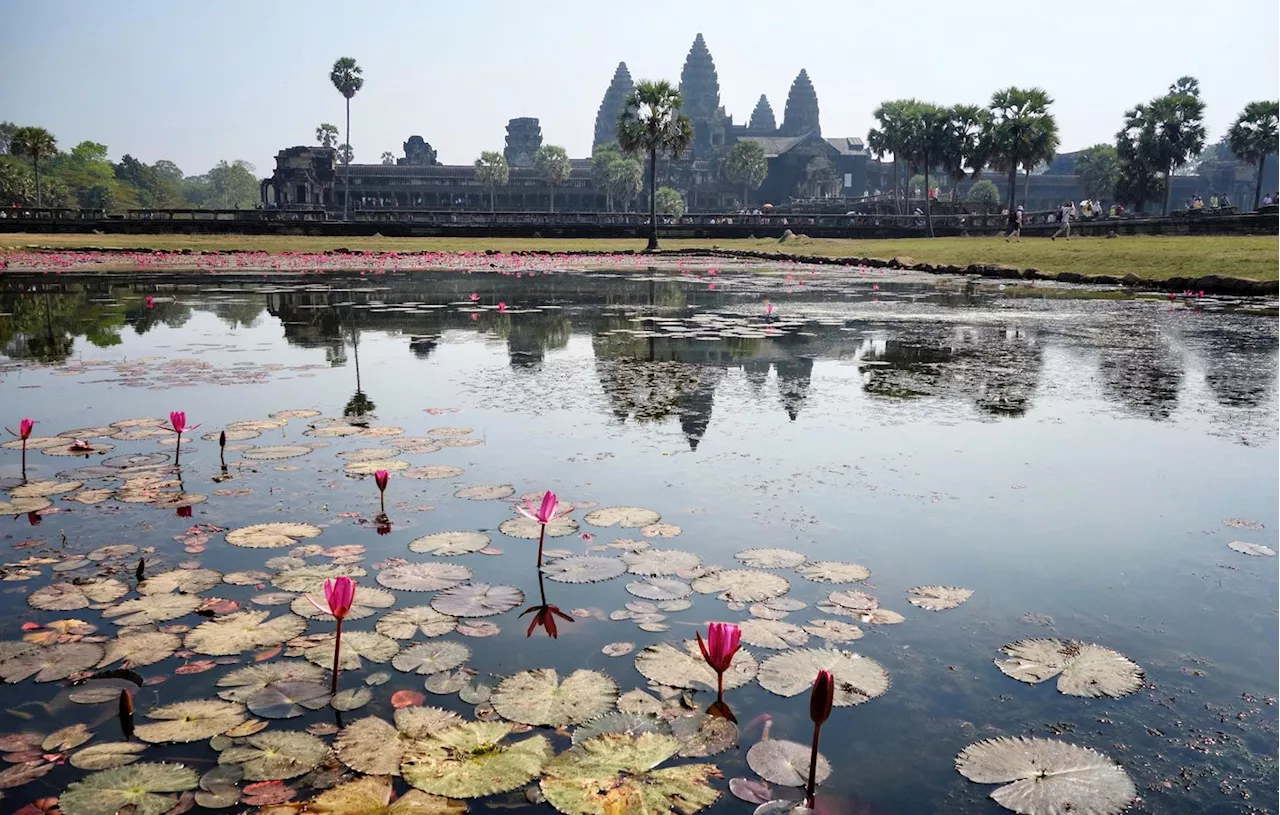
(928, 210)
(552, 188)
(40, 197)
(1257, 189)
(896, 209)
(493, 191)
(1026, 186)
(1013, 186)
(1168, 189)
(653, 200)
(346, 182)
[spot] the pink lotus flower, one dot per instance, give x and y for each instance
(178, 424)
(381, 477)
(768, 309)
(502, 308)
(542, 515)
(474, 297)
(339, 593)
(820, 701)
(151, 303)
(718, 650)
(24, 428)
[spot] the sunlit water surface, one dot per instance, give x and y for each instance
(1070, 459)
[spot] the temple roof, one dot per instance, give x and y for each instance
(848, 145)
(699, 84)
(611, 106)
(801, 115)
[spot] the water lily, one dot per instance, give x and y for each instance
(151, 301)
(24, 432)
(338, 593)
(718, 649)
(183, 512)
(543, 514)
(381, 477)
(768, 309)
(502, 307)
(474, 297)
(544, 616)
(820, 701)
(178, 424)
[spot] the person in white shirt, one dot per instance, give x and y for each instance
(1065, 214)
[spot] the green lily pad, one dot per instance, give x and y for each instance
(143, 648)
(357, 646)
(275, 755)
(771, 558)
(372, 796)
(310, 579)
(447, 544)
(72, 596)
(277, 690)
(154, 608)
(351, 699)
(486, 492)
(473, 760)
(243, 631)
(193, 720)
(141, 787)
(773, 634)
(183, 581)
(272, 535)
(52, 663)
(1082, 668)
(423, 576)
(1046, 776)
(660, 588)
(833, 572)
(583, 569)
(538, 697)
(937, 598)
(366, 602)
(371, 745)
(522, 527)
(626, 517)
(107, 755)
(742, 585)
(858, 678)
(660, 562)
(620, 723)
(405, 623)
(477, 600)
(786, 763)
(616, 773)
(431, 657)
(683, 667)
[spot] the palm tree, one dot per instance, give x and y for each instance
(746, 165)
(492, 172)
(887, 138)
(925, 143)
(626, 179)
(388, 158)
(346, 77)
(1253, 137)
(1169, 130)
(327, 135)
(964, 152)
(35, 143)
(552, 163)
(651, 122)
(1022, 133)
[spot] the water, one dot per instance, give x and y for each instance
(1071, 457)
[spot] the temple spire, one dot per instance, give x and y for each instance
(699, 85)
(762, 117)
(801, 114)
(611, 105)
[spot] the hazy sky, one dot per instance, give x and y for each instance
(195, 82)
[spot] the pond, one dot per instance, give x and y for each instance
(1082, 461)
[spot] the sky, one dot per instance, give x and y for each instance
(199, 82)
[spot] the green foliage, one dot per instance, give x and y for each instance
(346, 77)
(669, 202)
(1099, 170)
(169, 171)
(620, 176)
(964, 150)
(492, 171)
(7, 130)
(924, 139)
(17, 183)
(36, 144)
(87, 174)
(1252, 137)
(327, 135)
(388, 158)
(227, 186)
(984, 192)
(1159, 137)
(651, 122)
(346, 155)
(1021, 133)
(746, 165)
(552, 163)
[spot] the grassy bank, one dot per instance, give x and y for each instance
(1149, 257)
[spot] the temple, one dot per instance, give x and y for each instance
(802, 164)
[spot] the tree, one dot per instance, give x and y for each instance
(17, 185)
(1137, 183)
(551, 162)
(1022, 133)
(37, 144)
(83, 169)
(669, 202)
(345, 154)
(887, 138)
(626, 180)
(1163, 135)
(924, 142)
(388, 159)
(984, 192)
(1253, 137)
(346, 77)
(231, 186)
(327, 135)
(168, 171)
(7, 129)
(492, 172)
(1099, 168)
(651, 122)
(964, 151)
(746, 165)
(602, 158)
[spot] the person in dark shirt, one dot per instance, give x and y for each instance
(1015, 225)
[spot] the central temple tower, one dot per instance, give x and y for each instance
(700, 90)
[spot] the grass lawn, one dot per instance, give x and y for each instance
(1149, 257)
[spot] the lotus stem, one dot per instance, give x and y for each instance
(542, 536)
(809, 789)
(382, 502)
(24, 459)
(720, 687)
(337, 651)
(177, 451)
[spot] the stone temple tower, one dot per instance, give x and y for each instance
(762, 121)
(801, 115)
(611, 105)
(524, 137)
(700, 90)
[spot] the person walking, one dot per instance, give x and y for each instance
(1064, 219)
(1015, 225)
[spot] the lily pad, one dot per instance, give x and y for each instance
(538, 697)
(937, 598)
(193, 720)
(423, 576)
(277, 690)
(271, 536)
(477, 600)
(626, 517)
(1254, 549)
(275, 755)
(619, 723)
(154, 608)
(583, 569)
(141, 789)
(1048, 776)
(371, 467)
(1083, 669)
(405, 623)
(52, 663)
(243, 631)
(616, 773)
(683, 667)
(107, 755)
(431, 657)
(660, 588)
(351, 699)
(531, 530)
(183, 581)
(486, 492)
(372, 745)
(357, 646)
(834, 630)
(277, 452)
(474, 760)
(43, 489)
(858, 678)
(786, 763)
(373, 796)
(433, 471)
(660, 562)
(143, 648)
(742, 585)
(830, 571)
(701, 735)
(71, 596)
(22, 506)
(771, 558)
(773, 634)
(310, 579)
(366, 602)
(447, 544)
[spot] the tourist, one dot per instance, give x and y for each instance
(1213, 201)
(1015, 225)
(1224, 201)
(1064, 218)
(1197, 202)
